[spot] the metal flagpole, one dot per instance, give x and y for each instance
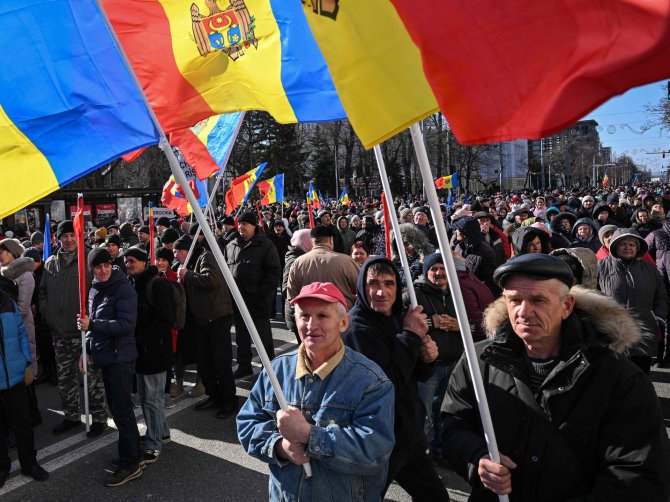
(180, 178)
(396, 226)
(455, 288)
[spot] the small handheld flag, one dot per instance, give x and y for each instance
(272, 190)
(606, 180)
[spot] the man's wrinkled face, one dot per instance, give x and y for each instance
(536, 309)
(437, 275)
(68, 241)
(381, 290)
(320, 325)
(484, 225)
(134, 266)
(420, 218)
(180, 255)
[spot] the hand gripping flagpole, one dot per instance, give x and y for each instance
(180, 178)
(396, 226)
(457, 296)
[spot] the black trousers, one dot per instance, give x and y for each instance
(215, 356)
(243, 339)
(15, 404)
(411, 467)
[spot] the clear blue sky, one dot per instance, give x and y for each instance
(621, 120)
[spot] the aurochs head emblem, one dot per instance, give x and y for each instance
(230, 30)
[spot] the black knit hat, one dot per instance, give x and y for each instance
(113, 239)
(248, 217)
(183, 243)
(164, 221)
(98, 256)
(431, 260)
(169, 235)
(138, 252)
(144, 229)
(322, 231)
(164, 253)
(64, 227)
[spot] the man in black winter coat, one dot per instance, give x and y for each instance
(254, 263)
(400, 345)
(573, 419)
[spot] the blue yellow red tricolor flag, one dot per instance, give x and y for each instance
(241, 187)
(312, 197)
(272, 190)
(201, 58)
(173, 196)
(375, 66)
(606, 180)
(67, 102)
(450, 181)
(344, 197)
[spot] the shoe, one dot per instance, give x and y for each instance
(164, 439)
(242, 371)
(177, 389)
(35, 471)
(96, 429)
(122, 475)
(227, 410)
(150, 456)
(208, 404)
(198, 390)
(4, 474)
(65, 426)
(115, 463)
(169, 402)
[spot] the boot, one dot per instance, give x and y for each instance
(198, 390)
(178, 388)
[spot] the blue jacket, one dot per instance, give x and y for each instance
(14, 348)
(351, 414)
(112, 307)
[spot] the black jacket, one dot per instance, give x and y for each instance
(595, 430)
(289, 310)
(153, 332)
(383, 339)
(255, 267)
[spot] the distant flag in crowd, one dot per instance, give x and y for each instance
(46, 251)
(374, 63)
(450, 201)
(321, 199)
(312, 197)
(199, 59)
(68, 104)
(173, 196)
(207, 145)
(636, 180)
(241, 187)
(598, 50)
(447, 181)
(606, 180)
(272, 190)
(344, 197)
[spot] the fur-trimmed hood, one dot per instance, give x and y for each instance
(19, 266)
(412, 235)
(587, 259)
(613, 323)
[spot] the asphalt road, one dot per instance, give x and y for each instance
(203, 461)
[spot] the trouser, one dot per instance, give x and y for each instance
(118, 380)
(411, 467)
(152, 396)
(15, 404)
(243, 338)
(215, 356)
(434, 387)
(68, 352)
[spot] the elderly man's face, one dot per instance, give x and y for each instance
(69, 241)
(484, 225)
(381, 290)
(420, 218)
(437, 275)
(536, 309)
(246, 230)
(320, 325)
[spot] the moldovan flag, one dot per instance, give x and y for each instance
(606, 180)
(312, 197)
(201, 58)
(240, 188)
(344, 197)
(207, 145)
(527, 69)
(447, 181)
(375, 66)
(272, 190)
(67, 102)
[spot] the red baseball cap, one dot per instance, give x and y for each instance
(326, 291)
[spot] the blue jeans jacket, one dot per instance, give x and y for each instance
(351, 414)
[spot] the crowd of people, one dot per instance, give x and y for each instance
(566, 293)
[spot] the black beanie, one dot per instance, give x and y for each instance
(164, 253)
(98, 256)
(113, 239)
(193, 229)
(164, 221)
(431, 260)
(183, 243)
(64, 227)
(248, 217)
(144, 229)
(138, 252)
(169, 235)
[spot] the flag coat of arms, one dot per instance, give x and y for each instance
(272, 190)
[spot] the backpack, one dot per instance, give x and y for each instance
(178, 296)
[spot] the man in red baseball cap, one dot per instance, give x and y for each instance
(341, 412)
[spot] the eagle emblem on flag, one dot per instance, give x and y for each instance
(230, 30)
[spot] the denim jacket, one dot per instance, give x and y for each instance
(351, 416)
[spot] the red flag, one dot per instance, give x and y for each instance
(78, 224)
(130, 156)
(311, 215)
(387, 227)
(194, 152)
(504, 71)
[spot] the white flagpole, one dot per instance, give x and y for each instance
(180, 178)
(457, 296)
(396, 226)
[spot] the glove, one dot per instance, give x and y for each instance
(29, 376)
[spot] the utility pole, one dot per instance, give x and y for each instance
(337, 176)
(542, 162)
